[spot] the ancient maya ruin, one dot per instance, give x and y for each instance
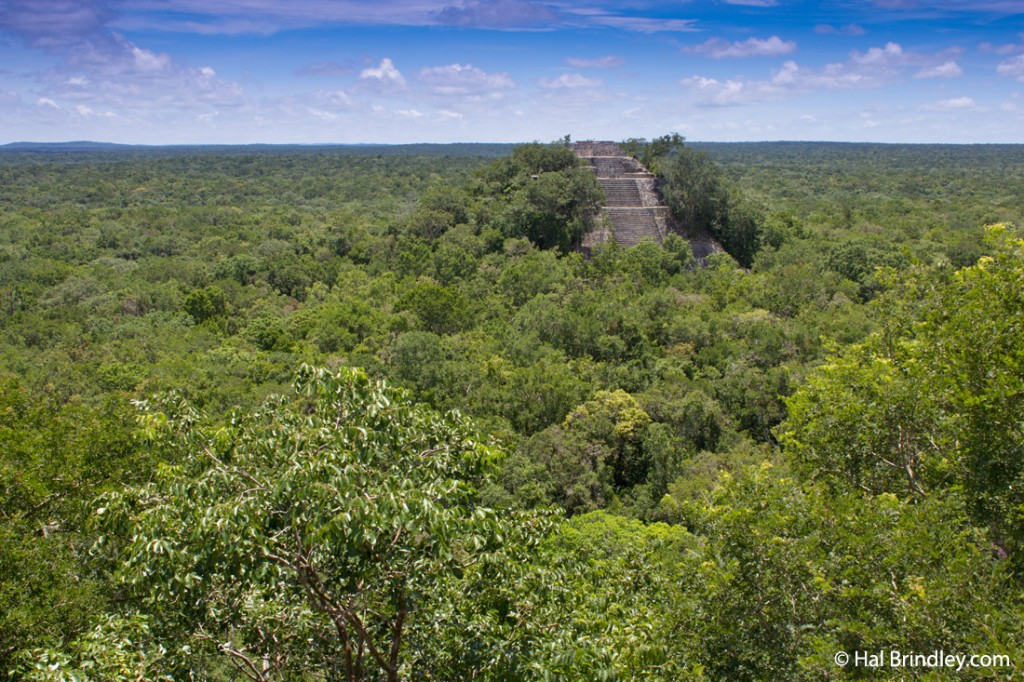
(634, 208)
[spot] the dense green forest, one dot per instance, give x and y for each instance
(340, 413)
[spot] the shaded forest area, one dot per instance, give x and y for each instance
(347, 413)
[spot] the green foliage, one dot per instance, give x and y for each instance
(438, 308)
(116, 649)
(205, 304)
(622, 386)
(696, 191)
(933, 402)
(305, 535)
(56, 456)
(787, 575)
(543, 195)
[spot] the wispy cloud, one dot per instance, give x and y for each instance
(492, 14)
(233, 17)
(734, 92)
(458, 80)
(101, 70)
(845, 30)
(876, 67)
(955, 104)
(1014, 68)
(948, 69)
(608, 62)
(326, 69)
(716, 48)
(570, 81)
(54, 24)
(936, 6)
(642, 24)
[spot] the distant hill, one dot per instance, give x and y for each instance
(456, 149)
(76, 145)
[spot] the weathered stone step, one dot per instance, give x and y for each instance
(634, 208)
(620, 192)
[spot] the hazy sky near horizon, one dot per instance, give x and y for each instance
(349, 71)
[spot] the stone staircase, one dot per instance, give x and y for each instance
(634, 207)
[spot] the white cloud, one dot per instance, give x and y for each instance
(334, 98)
(458, 80)
(716, 48)
(146, 61)
(642, 24)
(409, 113)
(47, 102)
(710, 91)
(997, 6)
(570, 81)
(1014, 68)
(385, 75)
(955, 104)
(108, 72)
(886, 56)
(876, 67)
(1010, 48)
(508, 14)
(608, 62)
(325, 69)
(323, 115)
(949, 69)
(847, 30)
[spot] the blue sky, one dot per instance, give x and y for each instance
(309, 71)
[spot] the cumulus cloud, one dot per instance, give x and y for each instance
(608, 62)
(716, 48)
(458, 80)
(1013, 68)
(570, 81)
(100, 69)
(713, 92)
(892, 53)
(384, 77)
(948, 69)
(876, 67)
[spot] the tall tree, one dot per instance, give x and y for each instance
(308, 535)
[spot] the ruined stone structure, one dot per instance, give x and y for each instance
(634, 208)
